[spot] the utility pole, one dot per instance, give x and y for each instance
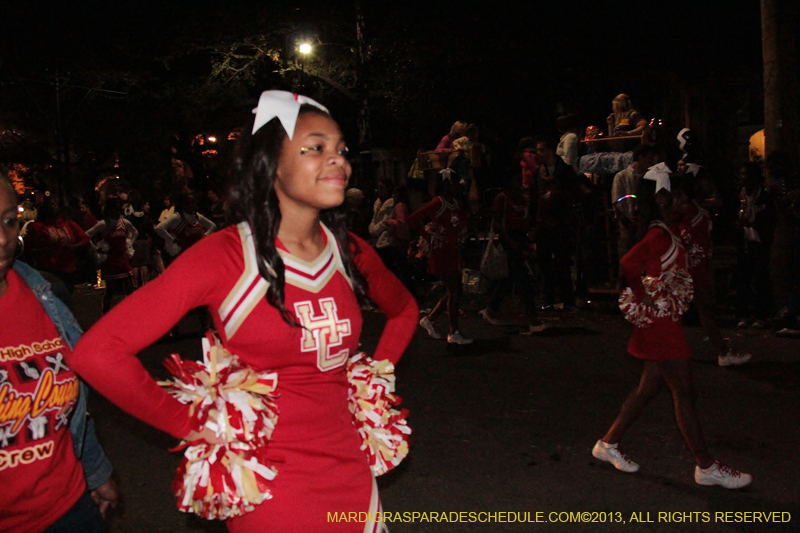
(778, 38)
(364, 133)
(59, 83)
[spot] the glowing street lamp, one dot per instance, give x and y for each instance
(305, 49)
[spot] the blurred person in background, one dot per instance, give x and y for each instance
(185, 226)
(442, 223)
(456, 132)
(54, 243)
(142, 259)
(567, 148)
(758, 216)
(114, 237)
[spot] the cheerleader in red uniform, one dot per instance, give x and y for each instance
(185, 226)
(445, 231)
(282, 283)
(694, 229)
(114, 236)
(659, 292)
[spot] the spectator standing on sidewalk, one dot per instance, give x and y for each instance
(559, 195)
(511, 221)
(757, 218)
(378, 228)
(624, 193)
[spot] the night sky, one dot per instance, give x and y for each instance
(508, 67)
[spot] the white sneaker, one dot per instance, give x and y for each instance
(457, 338)
(722, 475)
(743, 323)
(430, 328)
(759, 324)
(733, 358)
(612, 454)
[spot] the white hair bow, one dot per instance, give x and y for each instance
(660, 174)
(285, 106)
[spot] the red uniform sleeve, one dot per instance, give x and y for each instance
(80, 236)
(416, 218)
(106, 355)
(37, 236)
(645, 259)
(392, 299)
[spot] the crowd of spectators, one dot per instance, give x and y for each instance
(565, 227)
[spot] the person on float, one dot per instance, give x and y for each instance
(53, 473)
(659, 292)
(282, 282)
(456, 132)
(624, 121)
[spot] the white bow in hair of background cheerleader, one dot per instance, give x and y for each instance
(285, 106)
(660, 174)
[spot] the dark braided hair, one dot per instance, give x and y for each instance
(252, 199)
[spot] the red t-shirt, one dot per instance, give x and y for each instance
(39, 474)
(49, 244)
(514, 212)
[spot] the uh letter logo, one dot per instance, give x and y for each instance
(323, 333)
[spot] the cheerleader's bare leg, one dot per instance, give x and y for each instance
(650, 384)
(678, 376)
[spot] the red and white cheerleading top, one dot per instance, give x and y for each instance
(659, 251)
(695, 231)
(315, 446)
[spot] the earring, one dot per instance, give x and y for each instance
(20, 247)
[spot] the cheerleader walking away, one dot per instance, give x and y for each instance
(659, 260)
(184, 227)
(694, 228)
(282, 283)
(445, 231)
(114, 236)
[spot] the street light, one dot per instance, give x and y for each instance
(305, 49)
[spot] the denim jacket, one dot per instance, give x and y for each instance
(96, 466)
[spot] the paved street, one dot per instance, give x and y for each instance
(507, 425)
